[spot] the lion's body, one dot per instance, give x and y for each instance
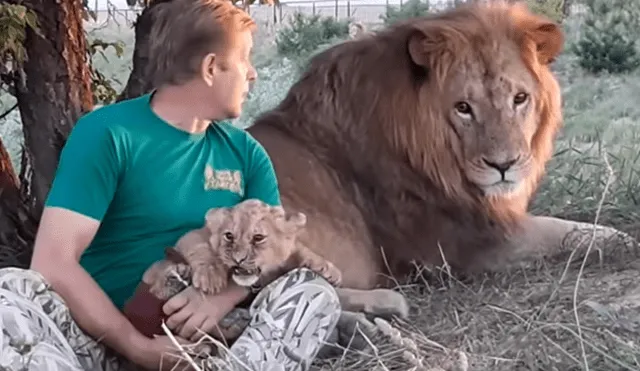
(366, 143)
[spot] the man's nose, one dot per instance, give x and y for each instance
(252, 74)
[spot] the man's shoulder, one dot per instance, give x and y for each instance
(230, 130)
(109, 120)
(235, 136)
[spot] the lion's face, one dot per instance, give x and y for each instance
(253, 238)
(490, 93)
(491, 108)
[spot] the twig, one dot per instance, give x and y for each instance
(180, 348)
(7, 112)
(584, 261)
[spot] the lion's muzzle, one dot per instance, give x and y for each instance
(502, 166)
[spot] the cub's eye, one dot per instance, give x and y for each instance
(228, 236)
(520, 98)
(258, 238)
(463, 108)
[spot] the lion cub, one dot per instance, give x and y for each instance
(252, 242)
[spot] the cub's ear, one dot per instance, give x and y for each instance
(216, 216)
(547, 36)
(293, 223)
(277, 212)
(297, 220)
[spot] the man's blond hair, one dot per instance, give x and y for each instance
(184, 31)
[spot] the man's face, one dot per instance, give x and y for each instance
(230, 78)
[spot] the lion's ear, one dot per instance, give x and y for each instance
(426, 46)
(549, 40)
(547, 35)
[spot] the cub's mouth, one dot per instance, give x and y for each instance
(245, 277)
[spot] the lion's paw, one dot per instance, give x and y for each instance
(386, 303)
(208, 280)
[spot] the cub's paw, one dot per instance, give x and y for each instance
(169, 280)
(208, 279)
(183, 271)
(178, 279)
(331, 273)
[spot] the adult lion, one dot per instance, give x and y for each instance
(426, 139)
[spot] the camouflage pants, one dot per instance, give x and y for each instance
(290, 320)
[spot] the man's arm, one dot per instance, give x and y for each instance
(62, 237)
(84, 185)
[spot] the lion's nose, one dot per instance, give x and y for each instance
(502, 166)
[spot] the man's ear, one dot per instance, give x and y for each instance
(208, 68)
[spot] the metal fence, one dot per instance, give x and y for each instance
(362, 11)
(271, 17)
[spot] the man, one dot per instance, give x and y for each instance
(132, 178)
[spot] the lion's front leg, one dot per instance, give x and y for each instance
(383, 303)
(547, 237)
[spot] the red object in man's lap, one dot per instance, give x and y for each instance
(144, 311)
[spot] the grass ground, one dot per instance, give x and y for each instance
(551, 317)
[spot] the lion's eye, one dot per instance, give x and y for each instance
(258, 238)
(463, 108)
(228, 236)
(520, 98)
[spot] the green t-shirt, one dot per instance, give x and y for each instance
(149, 183)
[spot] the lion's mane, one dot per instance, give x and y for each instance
(359, 113)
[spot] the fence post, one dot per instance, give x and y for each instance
(275, 16)
(336, 10)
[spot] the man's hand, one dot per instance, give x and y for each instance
(190, 313)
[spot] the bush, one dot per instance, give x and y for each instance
(608, 42)
(551, 9)
(411, 9)
(306, 33)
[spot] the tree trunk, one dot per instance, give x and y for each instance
(566, 8)
(138, 83)
(17, 227)
(53, 91)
